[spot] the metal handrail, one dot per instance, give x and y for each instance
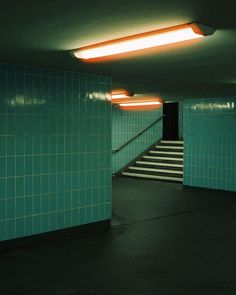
(137, 135)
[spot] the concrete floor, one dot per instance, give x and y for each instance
(164, 241)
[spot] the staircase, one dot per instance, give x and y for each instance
(163, 162)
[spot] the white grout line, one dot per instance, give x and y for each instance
(155, 170)
(153, 176)
(159, 164)
(166, 153)
(163, 158)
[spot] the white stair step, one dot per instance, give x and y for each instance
(153, 176)
(169, 147)
(166, 153)
(163, 158)
(155, 170)
(173, 141)
(159, 164)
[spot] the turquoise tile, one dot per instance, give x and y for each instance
(20, 227)
(74, 217)
(28, 206)
(52, 203)
(3, 165)
(47, 177)
(45, 222)
(3, 230)
(19, 166)
(68, 200)
(82, 216)
(11, 146)
(10, 193)
(68, 218)
(20, 206)
(3, 188)
(209, 154)
(11, 166)
(45, 203)
(28, 145)
(28, 165)
(3, 211)
(28, 185)
(36, 204)
(89, 214)
(53, 183)
(68, 181)
(60, 162)
(53, 221)
(11, 229)
(45, 164)
(60, 219)
(37, 144)
(3, 124)
(75, 199)
(126, 124)
(37, 162)
(37, 224)
(45, 144)
(20, 145)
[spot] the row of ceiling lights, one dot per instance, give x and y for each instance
(139, 42)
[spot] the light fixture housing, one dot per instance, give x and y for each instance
(143, 41)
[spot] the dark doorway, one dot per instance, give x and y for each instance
(171, 121)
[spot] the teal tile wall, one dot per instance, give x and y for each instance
(125, 125)
(55, 150)
(210, 143)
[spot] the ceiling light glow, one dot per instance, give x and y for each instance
(140, 103)
(121, 95)
(144, 41)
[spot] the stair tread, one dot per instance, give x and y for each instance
(159, 164)
(164, 161)
(153, 176)
(166, 153)
(155, 170)
(169, 147)
(163, 158)
(172, 141)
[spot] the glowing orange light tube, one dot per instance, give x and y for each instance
(140, 103)
(119, 95)
(144, 41)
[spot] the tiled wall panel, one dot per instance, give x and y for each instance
(210, 143)
(125, 125)
(55, 150)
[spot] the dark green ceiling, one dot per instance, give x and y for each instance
(42, 32)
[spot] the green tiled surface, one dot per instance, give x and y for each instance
(125, 125)
(55, 150)
(210, 143)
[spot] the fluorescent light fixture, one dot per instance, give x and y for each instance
(146, 103)
(145, 40)
(118, 96)
(122, 94)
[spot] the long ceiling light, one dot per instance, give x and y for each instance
(121, 94)
(118, 96)
(133, 104)
(143, 41)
